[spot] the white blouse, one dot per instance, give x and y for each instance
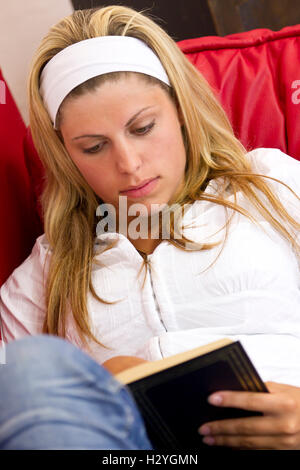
(250, 293)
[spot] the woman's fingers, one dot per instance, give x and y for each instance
(265, 432)
(255, 442)
(278, 426)
(262, 402)
(241, 426)
(263, 425)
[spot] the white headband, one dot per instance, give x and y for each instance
(92, 57)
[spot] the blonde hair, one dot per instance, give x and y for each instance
(69, 204)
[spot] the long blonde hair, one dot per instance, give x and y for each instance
(69, 204)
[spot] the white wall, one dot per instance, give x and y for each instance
(22, 25)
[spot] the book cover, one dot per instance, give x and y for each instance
(172, 393)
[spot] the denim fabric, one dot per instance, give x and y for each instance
(54, 396)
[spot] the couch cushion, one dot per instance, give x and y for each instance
(20, 225)
(253, 74)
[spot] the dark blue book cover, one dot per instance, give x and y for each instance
(173, 401)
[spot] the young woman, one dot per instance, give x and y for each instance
(162, 232)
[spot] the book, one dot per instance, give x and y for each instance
(172, 393)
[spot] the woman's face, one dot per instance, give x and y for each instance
(125, 135)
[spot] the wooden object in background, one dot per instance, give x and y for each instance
(233, 16)
(182, 20)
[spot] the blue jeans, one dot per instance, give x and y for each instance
(54, 396)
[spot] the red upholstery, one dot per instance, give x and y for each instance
(19, 223)
(253, 73)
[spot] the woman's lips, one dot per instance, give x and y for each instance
(143, 190)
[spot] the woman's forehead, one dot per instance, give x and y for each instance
(124, 95)
(103, 90)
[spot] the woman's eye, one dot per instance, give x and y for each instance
(95, 149)
(139, 131)
(145, 129)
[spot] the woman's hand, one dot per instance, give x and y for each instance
(119, 363)
(278, 428)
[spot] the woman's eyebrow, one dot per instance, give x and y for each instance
(126, 125)
(136, 115)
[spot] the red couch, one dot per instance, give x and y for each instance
(19, 222)
(253, 73)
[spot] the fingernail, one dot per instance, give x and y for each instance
(204, 429)
(215, 399)
(208, 440)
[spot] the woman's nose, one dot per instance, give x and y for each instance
(127, 158)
